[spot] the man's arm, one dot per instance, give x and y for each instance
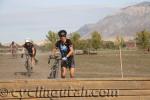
(33, 50)
(71, 49)
(70, 52)
(23, 51)
(16, 47)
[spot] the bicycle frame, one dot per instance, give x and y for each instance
(28, 64)
(14, 52)
(55, 69)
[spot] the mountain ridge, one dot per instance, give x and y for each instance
(127, 22)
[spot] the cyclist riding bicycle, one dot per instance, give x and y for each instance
(64, 45)
(31, 50)
(13, 48)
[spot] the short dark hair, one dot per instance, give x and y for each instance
(62, 33)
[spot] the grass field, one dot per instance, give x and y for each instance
(104, 65)
(107, 64)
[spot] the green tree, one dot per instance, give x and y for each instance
(96, 40)
(108, 45)
(75, 38)
(52, 37)
(83, 44)
(143, 39)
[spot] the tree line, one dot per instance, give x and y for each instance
(95, 41)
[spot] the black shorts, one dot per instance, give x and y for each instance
(70, 63)
(31, 54)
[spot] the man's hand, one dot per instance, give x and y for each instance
(64, 58)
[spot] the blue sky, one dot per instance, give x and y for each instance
(20, 19)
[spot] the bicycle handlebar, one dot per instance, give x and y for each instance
(26, 54)
(54, 57)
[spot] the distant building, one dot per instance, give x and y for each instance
(131, 44)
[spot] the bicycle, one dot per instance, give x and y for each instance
(28, 63)
(14, 52)
(55, 68)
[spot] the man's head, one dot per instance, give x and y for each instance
(62, 34)
(28, 41)
(13, 43)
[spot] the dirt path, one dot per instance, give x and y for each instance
(94, 66)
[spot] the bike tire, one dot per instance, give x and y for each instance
(52, 74)
(28, 68)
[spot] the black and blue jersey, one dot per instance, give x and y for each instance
(64, 50)
(64, 47)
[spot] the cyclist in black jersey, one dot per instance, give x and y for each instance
(64, 45)
(29, 47)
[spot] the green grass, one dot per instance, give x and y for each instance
(107, 64)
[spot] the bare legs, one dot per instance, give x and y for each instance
(63, 72)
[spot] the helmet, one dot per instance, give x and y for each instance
(28, 40)
(62, 33)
